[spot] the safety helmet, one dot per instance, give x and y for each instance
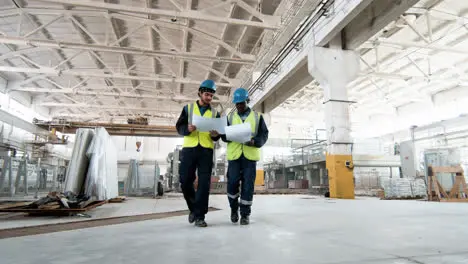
(240, 95)
(208, 86)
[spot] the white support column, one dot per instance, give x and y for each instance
(334, 68)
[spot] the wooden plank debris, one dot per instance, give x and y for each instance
(119, 199)
(53, 204)
(9, 205)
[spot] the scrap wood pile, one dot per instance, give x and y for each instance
(119, 199)
(54, 201)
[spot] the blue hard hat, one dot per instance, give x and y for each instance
(208, 84)
(240, 95)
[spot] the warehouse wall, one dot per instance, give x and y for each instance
(152, 148)
(451, 133)
(372, 146)
(445, 105)
(147, 173)
(293, 127)
(20, 104)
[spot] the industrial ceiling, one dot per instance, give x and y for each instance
(109, 60)
(113, 59)
(412, 72)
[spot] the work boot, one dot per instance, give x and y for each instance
(234, 216)
(191, 218)
(244, 220)
(200, 223)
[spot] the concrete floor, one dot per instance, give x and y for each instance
(284, 229)
(133, 206)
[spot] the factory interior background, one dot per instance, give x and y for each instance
(366, 103)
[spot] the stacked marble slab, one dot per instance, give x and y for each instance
(79, 161)
(101, 180)
(93, 165)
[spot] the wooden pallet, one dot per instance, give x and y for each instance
(436, 191)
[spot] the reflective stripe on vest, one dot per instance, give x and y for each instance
(234, 149)
(196, 137)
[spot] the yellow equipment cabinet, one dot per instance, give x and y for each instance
(340, 176)
(260, 178)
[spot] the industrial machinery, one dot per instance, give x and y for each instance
(305, 169)
(442, 157)
(172, 174)
(23, 175)
(143, 182)
(276, 175)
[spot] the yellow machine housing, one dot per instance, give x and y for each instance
(340, 176)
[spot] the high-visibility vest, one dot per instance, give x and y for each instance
(234, 149)
(197, 137)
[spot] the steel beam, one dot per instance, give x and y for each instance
(222, 43)
(438, 14)
(185, 45)
(223, 33)
(429, 46)
(17, 122)
(93, 92)
(119, 116)
(114, 107)
(146, 21)
(377, 15)
(396, 76)
(254, 12)
(121, 50)
(190, 14)
(115, 129)
(54, 72)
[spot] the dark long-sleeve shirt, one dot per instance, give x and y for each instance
(262, 136)
(182, 122)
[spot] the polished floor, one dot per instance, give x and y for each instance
(284, 229)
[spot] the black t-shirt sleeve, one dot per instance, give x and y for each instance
(182, 123)
(262, 136)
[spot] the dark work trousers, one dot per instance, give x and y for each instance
(241, 175)
(199, 160)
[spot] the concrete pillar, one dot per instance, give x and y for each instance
(309, 177)
(334, 68)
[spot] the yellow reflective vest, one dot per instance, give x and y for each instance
(234, 149)
(196, 137)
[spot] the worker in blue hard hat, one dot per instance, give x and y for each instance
(243, 157)
(197, 153)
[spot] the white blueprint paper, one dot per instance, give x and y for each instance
(239, 133)
(207, 124)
